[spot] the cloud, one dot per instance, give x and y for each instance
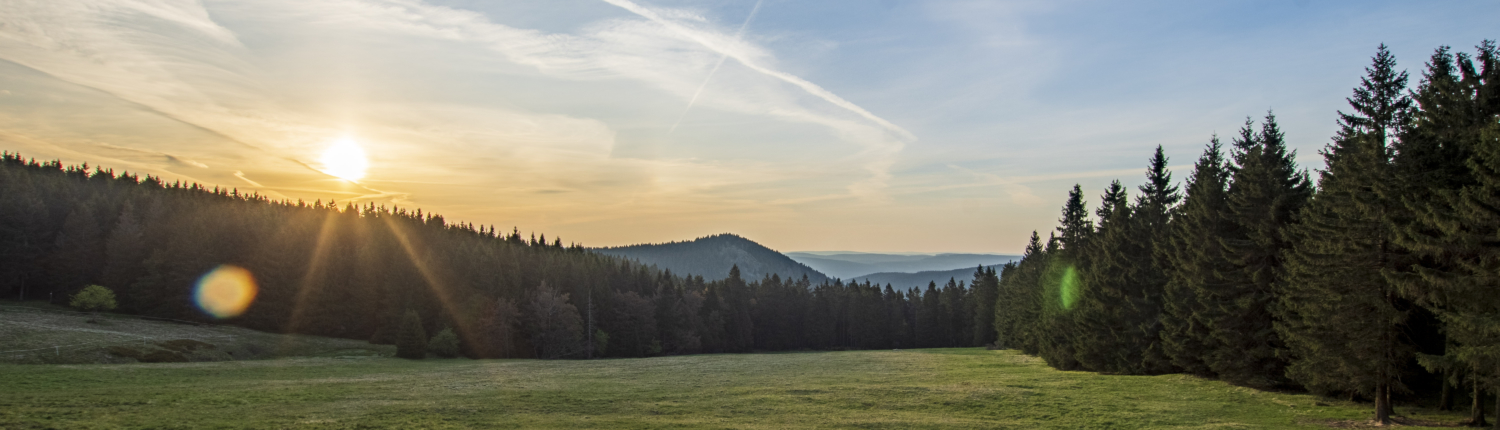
(175, 58)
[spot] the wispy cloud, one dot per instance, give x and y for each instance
(222, 71)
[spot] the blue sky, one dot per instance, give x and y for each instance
(932, 126)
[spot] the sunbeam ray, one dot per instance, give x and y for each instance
(434, 282)
(311, 278)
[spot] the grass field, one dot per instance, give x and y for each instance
(942, 388)
(339, 383)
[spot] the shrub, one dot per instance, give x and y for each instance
(93, 298)
(444, 344)
(411, 341)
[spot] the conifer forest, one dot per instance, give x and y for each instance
(1375, 278)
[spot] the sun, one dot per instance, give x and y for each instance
(345, 159)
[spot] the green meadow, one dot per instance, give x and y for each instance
(937, 388)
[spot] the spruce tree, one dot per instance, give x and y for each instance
(986, 286)
(930, 321)
(1062, 284)
(1442, 168)
(1196, 258)
(1341, 319)
(1119, 315)
(1099, 316)
(1075, 224)
(1019, 306)
(1266, 191)
(1463, 292)
(411, 341)
(1152, 222)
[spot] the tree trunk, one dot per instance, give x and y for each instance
(1445, 403)
(1383, 403)
(1497, 410)
(1476, 412)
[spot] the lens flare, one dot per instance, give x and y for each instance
(1069, 289)
(225, 292)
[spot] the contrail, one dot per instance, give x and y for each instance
(810, 87)
(737, 36)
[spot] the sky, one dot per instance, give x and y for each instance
(875, 126)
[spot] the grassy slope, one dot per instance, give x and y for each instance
(873, 389)
(37, 333)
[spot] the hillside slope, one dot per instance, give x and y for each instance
(712, 256)
(37, 333)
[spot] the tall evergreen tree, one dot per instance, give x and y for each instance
(1062, 284)
(1266, 191)
(931, 323)
(79, 251)
(1120, 311)
(1196, 258)
(1339, 316)
(1152, 221)
(1099, 317)
(411, 341)
(1437, 159)
(1075, 224)
(986, 286)
(1019, 306)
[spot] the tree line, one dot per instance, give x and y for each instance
(1382, 280)
(365, 271)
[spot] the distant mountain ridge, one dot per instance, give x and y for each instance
(848, 265)
(712, 256)
(902, 281)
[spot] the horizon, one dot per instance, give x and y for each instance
(890, 127)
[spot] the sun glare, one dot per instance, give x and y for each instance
(345, 159)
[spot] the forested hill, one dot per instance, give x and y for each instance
(712, 257)
(394, 275)
(349, 271)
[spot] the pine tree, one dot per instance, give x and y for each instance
(930, 321)
(411, 341)
(1442, 169)
(1062, 284)
(1339, 316)
(1119, 319)
(1153, 215)
(1019, 306)
(123, 250)
(1195, 258)
(1099, 316)
(79, 253)
(1265, 192)
(986, 286)
(1463, 292)
(1075, 224)
(955, 314)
